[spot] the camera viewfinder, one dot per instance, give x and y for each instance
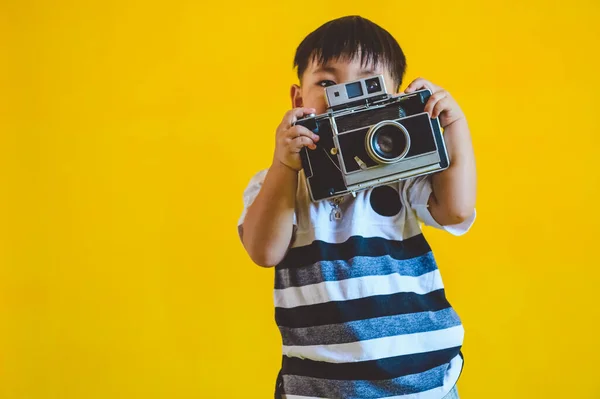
(373, 85)
(354, 90)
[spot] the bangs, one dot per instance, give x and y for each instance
(351, 38)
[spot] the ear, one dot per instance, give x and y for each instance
(296, 96)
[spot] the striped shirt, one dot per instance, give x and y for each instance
(360, 302)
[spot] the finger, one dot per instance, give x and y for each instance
(433, 100)
(298, 143)
(417, 84)
(293, 115)
(420, 84)
(297, 131)
(440, 106)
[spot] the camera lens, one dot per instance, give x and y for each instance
(387, 142)
(373, 85)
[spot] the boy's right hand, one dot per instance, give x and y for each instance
(291, 139)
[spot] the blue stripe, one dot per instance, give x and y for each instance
(381, 369)
(362, 330)
(355, 246)
(359, 266)
(336, 312)
(364, 389)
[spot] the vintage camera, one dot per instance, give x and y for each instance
(370, 138)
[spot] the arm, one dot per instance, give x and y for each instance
(452, 200)
(268, 226)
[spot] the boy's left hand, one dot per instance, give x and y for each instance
(439, 104)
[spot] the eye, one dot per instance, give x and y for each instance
(325, 83)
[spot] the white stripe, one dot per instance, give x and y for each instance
(355, 288)
(379, 348)
(449, 381)
(353, 225)
(314, 221)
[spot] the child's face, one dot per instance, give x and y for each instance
(316, 77)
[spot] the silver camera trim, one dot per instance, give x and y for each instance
(336, 140)
(397, 177)
(374, 174)
(369, 142)
(361, 177)
(352, 187)
(342, 94)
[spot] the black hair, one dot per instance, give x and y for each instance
(345, 38)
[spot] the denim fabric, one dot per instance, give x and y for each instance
(453, 394)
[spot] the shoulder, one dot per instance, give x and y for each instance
(259, 177)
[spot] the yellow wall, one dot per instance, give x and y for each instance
(129, 130)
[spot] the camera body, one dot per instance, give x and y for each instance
(369, 138)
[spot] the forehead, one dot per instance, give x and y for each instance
(345, 69)
(344, 64)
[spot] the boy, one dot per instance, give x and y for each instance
(359, 300)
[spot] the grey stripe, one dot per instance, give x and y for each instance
(322, 388)
(359, 266)
(362, 330)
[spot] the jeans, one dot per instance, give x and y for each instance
(453, 394)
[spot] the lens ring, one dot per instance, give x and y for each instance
(370, 142)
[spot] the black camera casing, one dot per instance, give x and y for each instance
(370, 140)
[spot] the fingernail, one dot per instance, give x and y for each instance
(315, 137)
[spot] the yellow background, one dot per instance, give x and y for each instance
(129, 130)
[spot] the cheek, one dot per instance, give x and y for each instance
(316, 100)
(390, 86)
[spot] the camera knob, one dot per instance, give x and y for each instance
(309, 116)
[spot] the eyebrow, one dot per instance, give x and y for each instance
(368, 72)
(323, 68)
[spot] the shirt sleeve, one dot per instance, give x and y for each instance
(418, 191)
(249, 196)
